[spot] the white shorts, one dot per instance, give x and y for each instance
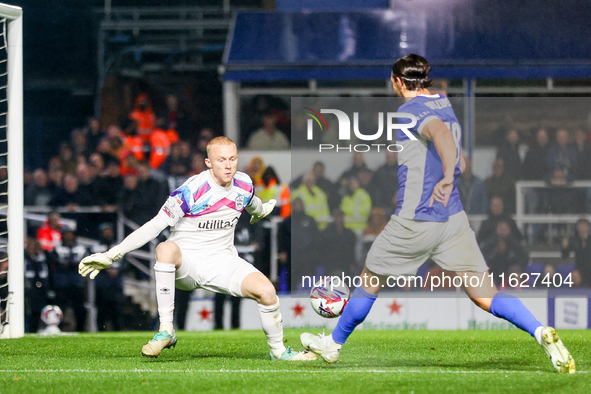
(222, 272)
(404, 245)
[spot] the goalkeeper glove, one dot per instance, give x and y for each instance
(266, 209)
(96, 262)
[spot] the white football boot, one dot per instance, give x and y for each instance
(318, 344)
(561, 358)
(291, 355)
(162, 340)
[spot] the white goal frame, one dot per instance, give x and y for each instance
(14, 134)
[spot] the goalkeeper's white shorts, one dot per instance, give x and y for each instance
(222, 272)
(405, 244)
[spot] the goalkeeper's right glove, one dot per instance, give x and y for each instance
(96, 262)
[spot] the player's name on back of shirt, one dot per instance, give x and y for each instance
(439, 104)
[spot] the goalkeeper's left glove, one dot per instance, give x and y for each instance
(95, 263)
(263, 211)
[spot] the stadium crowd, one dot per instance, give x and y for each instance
(327, 226)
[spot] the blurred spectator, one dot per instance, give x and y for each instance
(67, 282)
(56, 176)
(96, 164)
(174, 164)
(583, 169)
(472, 191)
(497, 214)
(135, 205)
(303, 241)
(386, 180)
(259, 107)
(27, 177)
(376, 222)
(142, 117)
(205, 135)
(37, 286)
(255, 169)
(159, 147)
(501, 185)
(150, 186)
(175, 117)
(49, 235)
(314, 200)
(562, 199)
(503, 253)
(94, 134)
(562, 156)
(338, 247)
(71, 196)
(334, 199)
(109, 284)
(365, 178)
(67, 159)
(197, 164)
(580, 244)
(86, 182)
(79, 143)
(358, 163)
(273, 188)
(268, 137)
(112, 144)
(535, 166)
(508, 151)
(356, 205)
(108, 185)
(38, 193)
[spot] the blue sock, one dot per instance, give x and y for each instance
(512, 309)
(355, 312)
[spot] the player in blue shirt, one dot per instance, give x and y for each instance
(430, 222)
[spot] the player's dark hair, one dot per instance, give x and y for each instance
(413, 70)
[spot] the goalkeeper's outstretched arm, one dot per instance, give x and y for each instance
(94, 263)
(258, 209)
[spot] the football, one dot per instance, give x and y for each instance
(329, 300)
(52, 315)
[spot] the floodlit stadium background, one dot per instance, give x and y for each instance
(234, 65)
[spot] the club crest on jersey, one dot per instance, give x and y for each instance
(239, 203)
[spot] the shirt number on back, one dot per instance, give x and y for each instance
(456, 132)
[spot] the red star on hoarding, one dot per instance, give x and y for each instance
(395, 308)
(204, 313)
(298, 310)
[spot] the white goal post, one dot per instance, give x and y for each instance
(14, 133)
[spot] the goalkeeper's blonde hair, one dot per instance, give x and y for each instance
(218, 141)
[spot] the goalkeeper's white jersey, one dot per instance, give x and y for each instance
(203, 214)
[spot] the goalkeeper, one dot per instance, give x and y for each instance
(200, 251)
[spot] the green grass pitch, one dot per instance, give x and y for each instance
(237, 361)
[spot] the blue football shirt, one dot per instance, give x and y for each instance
(419, 164)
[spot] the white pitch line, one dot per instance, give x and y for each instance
(331, 370)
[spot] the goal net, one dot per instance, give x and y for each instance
(12, 306)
